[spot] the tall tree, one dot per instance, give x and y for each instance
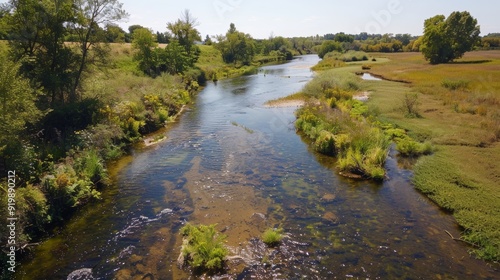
(446, 39)
(37, 32)
(17, 104)
(114, 33)
(185, 32)
(236, 46)
(144, 44)
(90, 14)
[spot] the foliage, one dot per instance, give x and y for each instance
(338, 125)
(17, 103)
(461, 173)
(332, 84)
(144, 45)
(203, 248)
(236, 47)
(272, 236)
(329, 46)
(348, 56)
(455, 84)
(89, 16)
(445, 40)
(184, 31)
(409, 105)
(38, 30)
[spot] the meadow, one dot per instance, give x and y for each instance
(459, 113)
(446, 117)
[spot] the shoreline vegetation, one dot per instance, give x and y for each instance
(65, 169)
(445, 116)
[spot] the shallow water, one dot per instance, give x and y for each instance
(370, 77)
(230, 160)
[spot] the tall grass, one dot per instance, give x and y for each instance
(338, 125)
(349, 56)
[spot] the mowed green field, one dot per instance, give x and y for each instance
(463, 123)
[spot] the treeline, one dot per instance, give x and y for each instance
(386, 43)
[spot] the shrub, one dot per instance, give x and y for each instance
(272, 236)
(366, 153)
(325, 143)
(455, 85)
(409, 147)
(203, 248)
(409, 105)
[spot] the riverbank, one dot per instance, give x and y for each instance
(457, 112)
(462, 122)
(124, 107)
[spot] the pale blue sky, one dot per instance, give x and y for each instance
(260, 18)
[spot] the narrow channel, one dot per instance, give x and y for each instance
(231, 160)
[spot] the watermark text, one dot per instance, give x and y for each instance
(11, 221)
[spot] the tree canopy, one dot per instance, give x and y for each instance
(236, 46)
(446, 39)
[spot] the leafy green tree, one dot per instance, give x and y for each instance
(131, 29)
(90, 14)
(144, 44)
(184, 31)
(342, 37)
(446, 39)
(114, 33)
(17, 103)
(162, 38)
(37, 33)
(38, 29)
(329, 46)
(4, 27)
(236, 46)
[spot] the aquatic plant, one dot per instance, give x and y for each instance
(272, 236)
(203, 247)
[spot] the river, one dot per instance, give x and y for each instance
(231, 160)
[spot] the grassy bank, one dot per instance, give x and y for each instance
(63, 167)
(449, 112)
(458, 108)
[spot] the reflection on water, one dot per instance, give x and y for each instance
(370, 77)
(231, 161)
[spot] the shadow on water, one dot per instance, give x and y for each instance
(211, 169)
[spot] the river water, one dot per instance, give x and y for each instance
(233, 161)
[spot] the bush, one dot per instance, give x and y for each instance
(366, 153)
(272, 236)
(455, 85)
(325, 143)
(332, 84)
(203, 248)
(409, 105)
(411, 148)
